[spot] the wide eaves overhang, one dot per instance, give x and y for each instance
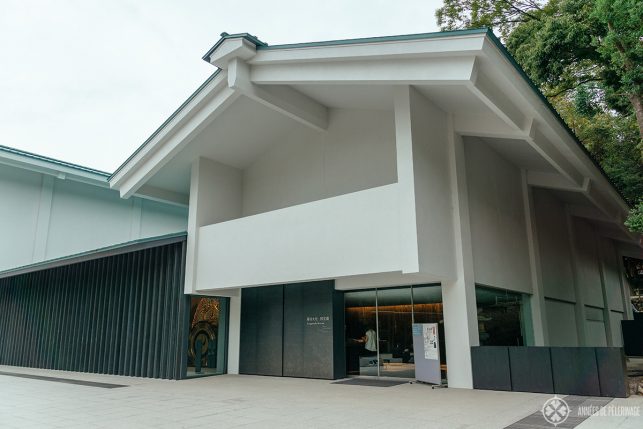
(281, 77)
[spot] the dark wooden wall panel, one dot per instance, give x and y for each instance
(124, 314)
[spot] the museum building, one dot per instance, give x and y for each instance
(308, 204)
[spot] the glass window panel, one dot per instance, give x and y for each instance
(207, 336)
(499, 317)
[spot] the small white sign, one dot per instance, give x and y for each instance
(430, 334)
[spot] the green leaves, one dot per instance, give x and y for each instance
(634, 221)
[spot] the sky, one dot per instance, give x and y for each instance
(87, 81)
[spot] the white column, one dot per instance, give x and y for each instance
(234, 334)
(215, 196)
(458, 296)
(136, 216)
(537, 302)
(44, 214)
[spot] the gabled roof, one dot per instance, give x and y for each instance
(260, 45)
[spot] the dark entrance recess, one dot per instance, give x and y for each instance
(123, 312)
(293, 330)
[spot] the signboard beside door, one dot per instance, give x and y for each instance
(426, 353)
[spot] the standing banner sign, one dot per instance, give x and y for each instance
(426, 352)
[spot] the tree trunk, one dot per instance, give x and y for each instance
(635, 99)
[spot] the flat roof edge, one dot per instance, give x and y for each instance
(102, 252)
(55, 162)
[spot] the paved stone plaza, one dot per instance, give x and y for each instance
(262, 402)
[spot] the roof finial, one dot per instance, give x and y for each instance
(224, 34)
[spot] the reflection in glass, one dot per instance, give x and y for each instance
(361, 333)
(394, 313)
(206, 340)
(499, 317)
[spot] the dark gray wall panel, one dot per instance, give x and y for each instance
(575, 371)
(262, 331)
(296, 330)
(490, 365)
(531, 369)
(124, 314)
(308, 330)
(612, 371)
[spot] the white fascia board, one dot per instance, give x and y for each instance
(385, 71)
(396, 49)
(151, 157)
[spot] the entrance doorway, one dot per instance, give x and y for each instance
(379, 328)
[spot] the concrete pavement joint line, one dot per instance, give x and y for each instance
(537, 421)
(64, 380)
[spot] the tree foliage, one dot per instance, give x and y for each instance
(635, 220)
(587, 58)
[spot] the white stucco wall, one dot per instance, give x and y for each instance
(432, 187)
(588, 277)
(611, 275)
(20, 198)
(352, 234)
(498, 230)
(554, 246)
(356, 152)
(43, 217)
(561, 323)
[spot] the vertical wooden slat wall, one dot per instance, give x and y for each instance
(124, 314)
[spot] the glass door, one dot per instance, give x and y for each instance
(379, 339)
(394, 320)
(361, 332)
